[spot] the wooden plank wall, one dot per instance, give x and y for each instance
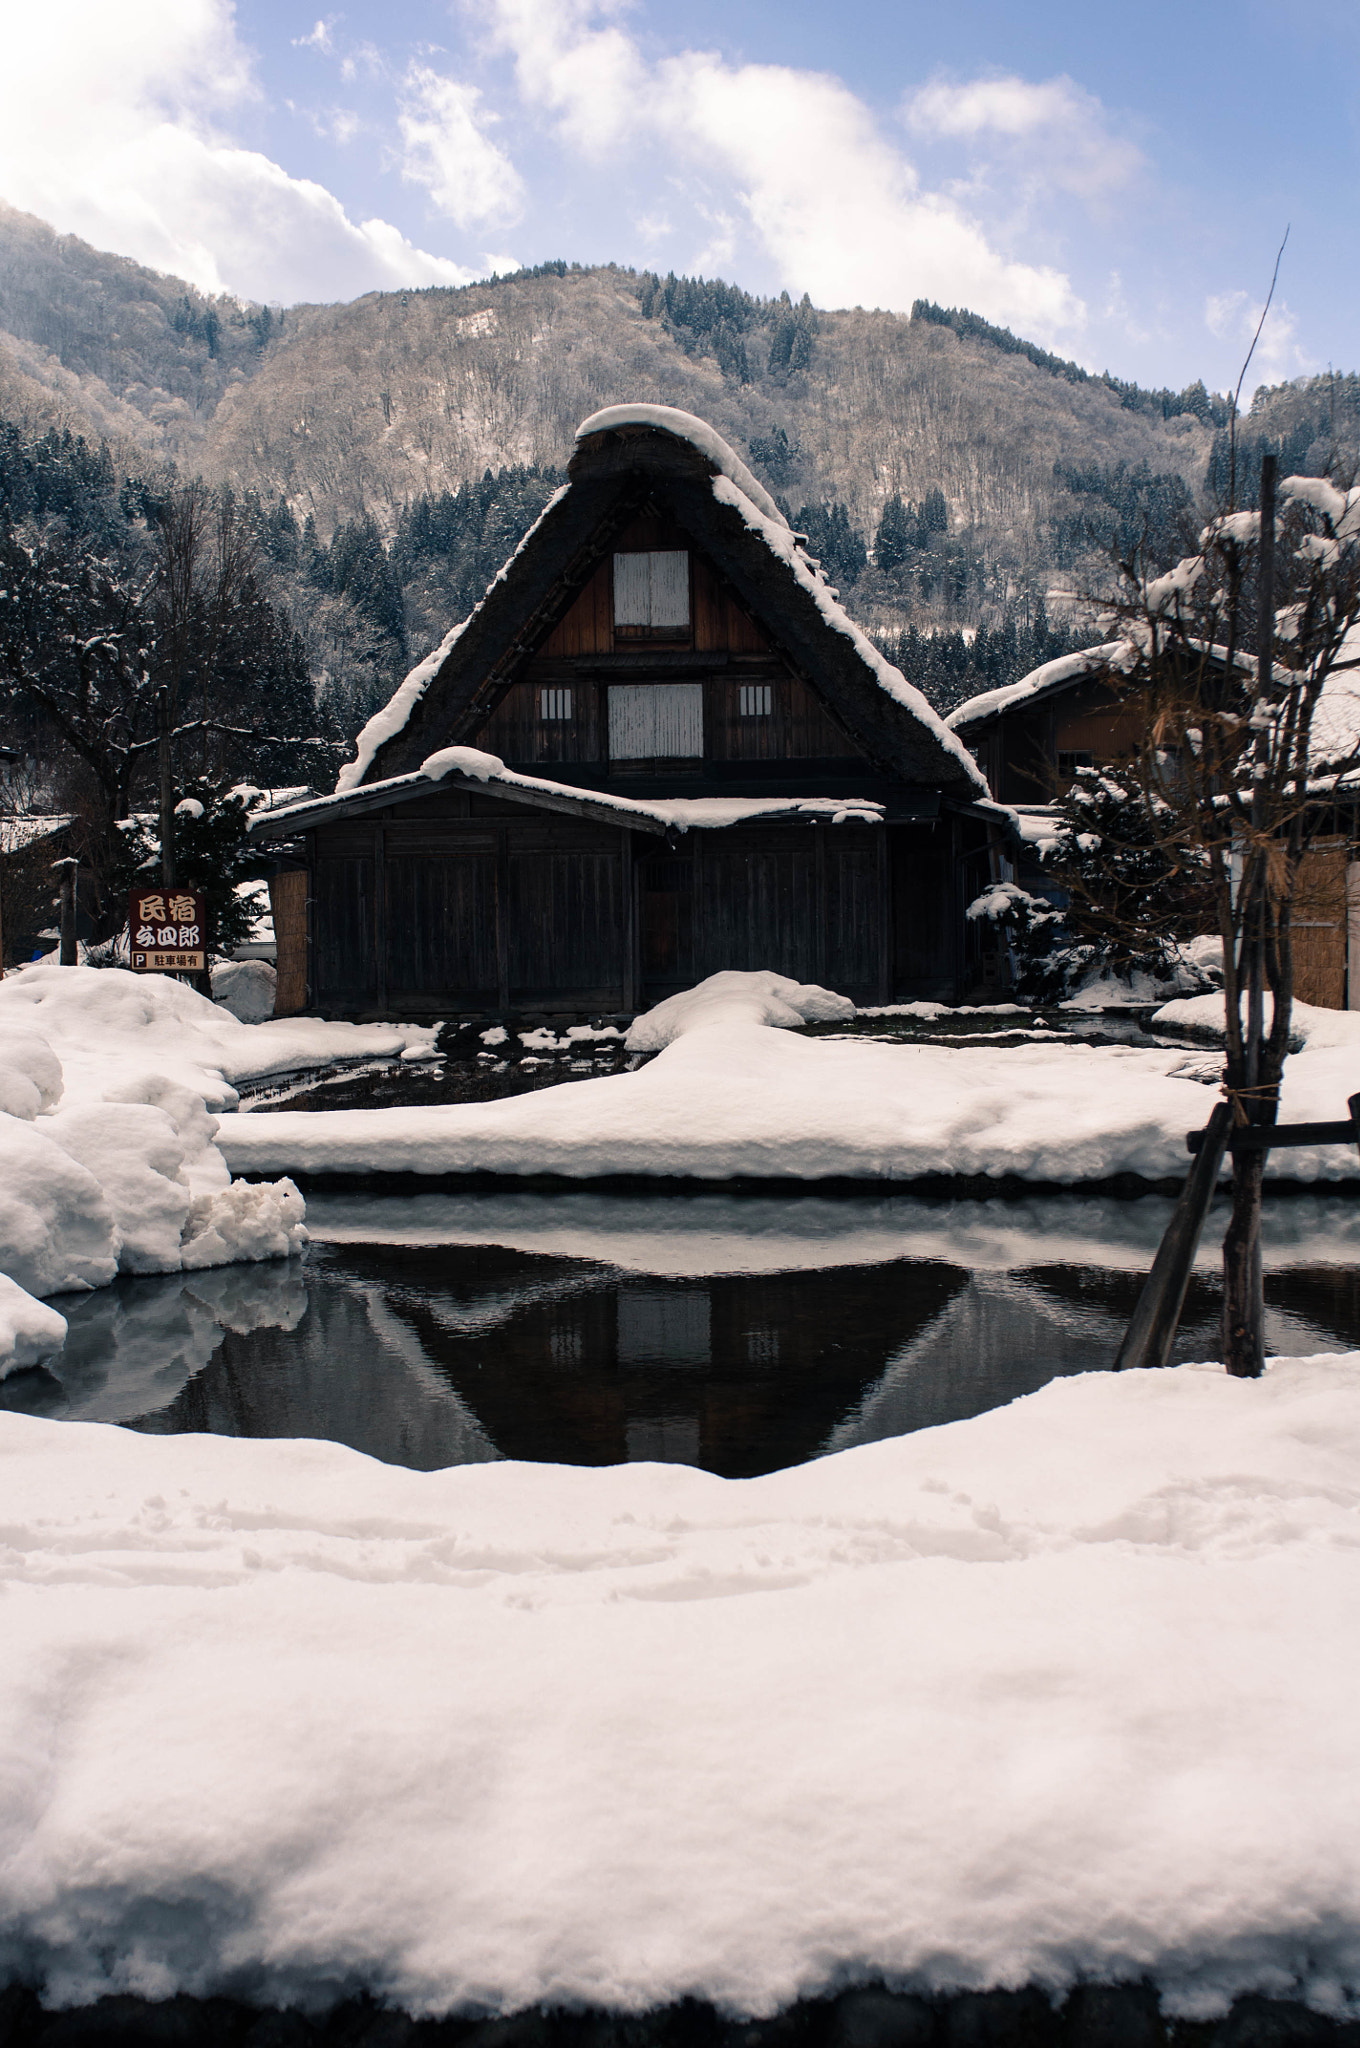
(1319, 925)
(288, 903)
(488, 913)
(798, 728)
(718, 622)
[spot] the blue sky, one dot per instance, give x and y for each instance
(1113, 184)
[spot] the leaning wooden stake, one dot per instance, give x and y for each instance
(1153, 1325)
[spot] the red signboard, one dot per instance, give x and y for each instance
(168, 931)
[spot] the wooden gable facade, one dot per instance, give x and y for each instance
(682, 763)
(1030, 745)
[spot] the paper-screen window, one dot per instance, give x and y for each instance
(755, 700)
(554, 705)
(652, 591)
(656, 721)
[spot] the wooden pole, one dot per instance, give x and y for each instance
(70, 950)
(1155, 1320)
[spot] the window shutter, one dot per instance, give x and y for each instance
(670, 589)
(632, 591)
(656, 721)
(652, 590)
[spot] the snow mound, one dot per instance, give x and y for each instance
(245, 988)
(56, 1226)
(131, 1182)
(30, 1075)
(1308, 1026)
(735, 998)
(107, 1024)
(462, 761)
(29, 1330)
(245, 1221)
(686, 426)
(1062, 1693)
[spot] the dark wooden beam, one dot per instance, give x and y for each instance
(1265, 1137)
(632, 979)
(1155, 1320)
(379, 919)
(502, 918)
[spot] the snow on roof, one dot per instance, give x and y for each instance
(1112, 654)
(734, 485)
(16, 832)
(781, 542)
(1336, 720)
(387, 723)
(687, 427)
(680, 814)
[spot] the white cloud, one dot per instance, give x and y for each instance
(1059, 134)
(801, 164)
(111, 128)
(447, 151)
(317, 38)
(1233, 317)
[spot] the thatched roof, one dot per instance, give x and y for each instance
(625, 460)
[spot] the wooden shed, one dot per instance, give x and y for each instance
(657, 748)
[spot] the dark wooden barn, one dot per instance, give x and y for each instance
(658, 748)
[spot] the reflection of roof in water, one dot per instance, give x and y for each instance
(709, 1234)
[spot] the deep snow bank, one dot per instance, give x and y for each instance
(109, 1164)
(1066, 1691)
(98, 1019)
(728, 1097)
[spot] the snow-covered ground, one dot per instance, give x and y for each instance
(108, 1160)
(728, 1096)
(1065, 1691)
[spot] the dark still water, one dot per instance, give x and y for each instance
(737, 1334)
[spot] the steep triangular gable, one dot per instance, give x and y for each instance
(650, 462)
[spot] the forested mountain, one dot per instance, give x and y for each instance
(951, 476)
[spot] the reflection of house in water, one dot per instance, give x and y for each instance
(567, 1362)
(352, 1373)
(436, 1356)
(454, 1353)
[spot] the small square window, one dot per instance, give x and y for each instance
(554, 705)
(755, 700)
(1070, 760)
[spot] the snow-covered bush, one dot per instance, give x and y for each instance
(1048, 963)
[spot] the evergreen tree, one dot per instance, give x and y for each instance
(895, 537)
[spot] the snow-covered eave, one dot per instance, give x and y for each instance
(1040, 682)
(687, 427)
(783, 545)
(482, 774)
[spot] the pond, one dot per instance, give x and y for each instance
(740, 1334)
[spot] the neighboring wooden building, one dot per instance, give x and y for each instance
(658, 748)
(1031, 737)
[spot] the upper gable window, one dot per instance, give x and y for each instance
(651, 592)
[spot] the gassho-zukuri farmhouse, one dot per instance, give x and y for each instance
(658, 748)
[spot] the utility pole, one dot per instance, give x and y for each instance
(167, 791)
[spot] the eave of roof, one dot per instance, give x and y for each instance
(478, 774)
(1045, 681)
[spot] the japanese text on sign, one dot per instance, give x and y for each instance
(168, 931)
